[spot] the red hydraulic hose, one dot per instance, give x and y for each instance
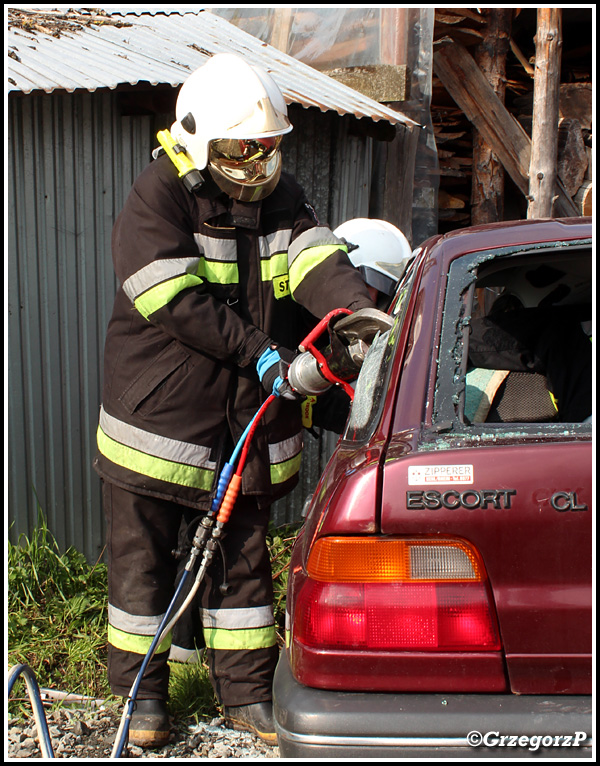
(233, 488)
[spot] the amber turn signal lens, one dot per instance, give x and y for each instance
(372, 559)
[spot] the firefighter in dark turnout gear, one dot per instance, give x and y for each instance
(218, 269)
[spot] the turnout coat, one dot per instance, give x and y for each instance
(206, 283)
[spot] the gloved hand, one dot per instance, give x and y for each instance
(272, 367)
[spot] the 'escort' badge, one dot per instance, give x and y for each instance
(431, 499)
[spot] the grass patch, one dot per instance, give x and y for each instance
(280, 542)
(57, 623)
(56, 617)
(191, 696)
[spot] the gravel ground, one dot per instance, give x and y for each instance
(77, 733)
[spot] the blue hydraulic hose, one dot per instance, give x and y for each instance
(146, 662)
(38, 708)
(240, 444)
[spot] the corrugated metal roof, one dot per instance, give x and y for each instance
(166, 48)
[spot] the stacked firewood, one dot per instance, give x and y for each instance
(456, 134)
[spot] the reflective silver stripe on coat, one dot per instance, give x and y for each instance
(289, 448)
(155, 445)
(317, 237)
(224, 250)
(236, 619)
(277, 242)
(156, 273)
(141, 625)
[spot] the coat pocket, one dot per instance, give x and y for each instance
(142, 394)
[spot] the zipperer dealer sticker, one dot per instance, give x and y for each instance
(419, 475)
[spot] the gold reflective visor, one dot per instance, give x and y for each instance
(236, 150)
(246, 169)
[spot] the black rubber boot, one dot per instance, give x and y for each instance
(257, 718)
(150, 726)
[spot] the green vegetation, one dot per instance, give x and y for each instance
(57, 624)
(281, 542)
(56, 617)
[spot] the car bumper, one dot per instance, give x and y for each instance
(315, 723)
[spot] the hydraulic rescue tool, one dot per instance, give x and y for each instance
(311, 373)
(314, 371)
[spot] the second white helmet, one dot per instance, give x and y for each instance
(378, 249)
(230, 117)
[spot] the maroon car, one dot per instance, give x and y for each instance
(440, 590)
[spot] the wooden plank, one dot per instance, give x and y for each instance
(543, 173)
(487, 191)
(465, 82)
(583, 198)
(572, 155)
(467, 85)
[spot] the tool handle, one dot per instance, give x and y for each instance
(308, 345)
(308, 342)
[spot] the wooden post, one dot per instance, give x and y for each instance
(487, 193)
(544, 132)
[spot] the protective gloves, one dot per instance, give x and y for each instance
(272, 367)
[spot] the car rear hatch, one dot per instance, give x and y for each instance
(526, 509)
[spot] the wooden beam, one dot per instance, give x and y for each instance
(543, 164)
(487, 192)
(467, 85)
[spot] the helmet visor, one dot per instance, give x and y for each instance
(236, 150)
(253, 163)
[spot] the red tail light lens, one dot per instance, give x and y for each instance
(402, 594)
(420, 617)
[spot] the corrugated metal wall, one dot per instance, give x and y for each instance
(72, 160)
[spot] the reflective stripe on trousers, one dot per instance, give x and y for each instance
(242, 653)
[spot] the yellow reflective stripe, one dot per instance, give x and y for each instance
(281, 472)
(130, 642)
(554, 400)
(308, 259)
(275, 270)
(247, 638)
(155, 467)
(157, 297)
(275, 266)
(219, 272)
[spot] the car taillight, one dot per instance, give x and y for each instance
(395, 594)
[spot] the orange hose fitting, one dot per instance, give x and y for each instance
(229, 498)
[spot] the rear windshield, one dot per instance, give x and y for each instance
(523, 339)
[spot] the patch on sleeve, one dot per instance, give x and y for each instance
(312, 212)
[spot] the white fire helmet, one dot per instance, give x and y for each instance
(230, 117)
(378, 249)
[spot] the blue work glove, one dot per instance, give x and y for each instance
(272, 367)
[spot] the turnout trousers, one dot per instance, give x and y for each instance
(237, 628)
